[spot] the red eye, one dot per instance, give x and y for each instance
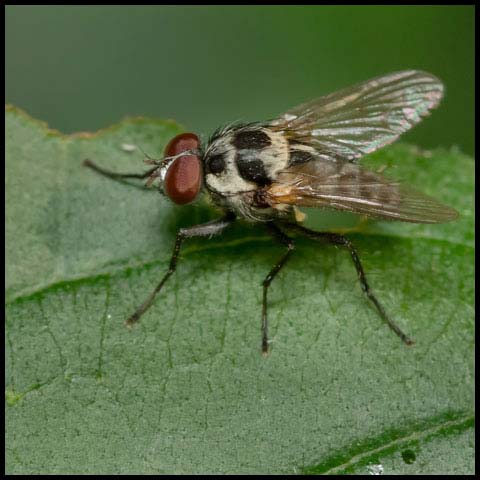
(180, 143)
(183, 179)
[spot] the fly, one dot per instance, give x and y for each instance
(308, 157)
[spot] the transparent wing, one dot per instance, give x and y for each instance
(349, 187)
(360, 119)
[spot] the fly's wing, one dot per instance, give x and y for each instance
(326, 135)
(358, 120)
(349, 187)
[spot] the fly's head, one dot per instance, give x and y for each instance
(181, 170)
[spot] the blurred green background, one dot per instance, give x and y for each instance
(86, 67)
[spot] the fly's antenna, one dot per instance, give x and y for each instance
(149, 159)
(164, 164)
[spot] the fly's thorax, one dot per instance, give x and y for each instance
(240, 161)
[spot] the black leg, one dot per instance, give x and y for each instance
(108, 173)
(211, 228)
(289, 243)
(343, 241)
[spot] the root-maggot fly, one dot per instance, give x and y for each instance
(262, 172)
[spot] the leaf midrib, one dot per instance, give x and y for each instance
(435, 428)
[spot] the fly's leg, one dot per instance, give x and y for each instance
(343, 241)
(207, 229)
(289, 243)
(108, 173)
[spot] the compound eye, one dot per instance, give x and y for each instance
(183, 180)
(181, 143)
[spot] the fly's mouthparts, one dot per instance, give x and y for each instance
(153, 176)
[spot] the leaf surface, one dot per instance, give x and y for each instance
(187, 390)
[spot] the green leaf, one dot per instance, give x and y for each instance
(187, 390)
